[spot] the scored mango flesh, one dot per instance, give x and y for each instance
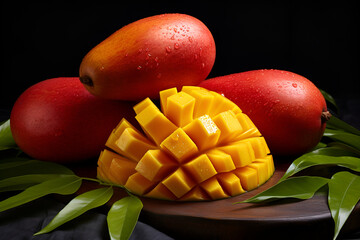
(200, 146)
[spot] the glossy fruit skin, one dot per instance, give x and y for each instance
(149, 55)
(285, 106)
(58, 120)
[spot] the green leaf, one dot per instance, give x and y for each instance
(319, 145)
(123, 217)
(345, 147)
(12, 167)
(24, 181)
(78, 206)
(327, 156)
(303, 187)
(6, 138)
(344, 137)
(329, 98)
(337, 124)
(344, 193)
(65, 184)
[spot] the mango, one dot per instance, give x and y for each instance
(186, 153)
(149, 55)
(59, 120)
(287, 108)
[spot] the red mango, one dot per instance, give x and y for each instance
(59, 120)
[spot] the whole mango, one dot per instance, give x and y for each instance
(149, 55)
(59, 120)
(288, 109)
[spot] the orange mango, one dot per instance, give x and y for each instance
(149, 55)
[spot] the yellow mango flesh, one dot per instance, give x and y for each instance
(199, 147)
(203, 131)
(179, 145)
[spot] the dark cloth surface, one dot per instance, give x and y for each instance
(22, 222)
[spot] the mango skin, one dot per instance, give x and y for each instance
(149, 55)
(286, 107)
(58, 120)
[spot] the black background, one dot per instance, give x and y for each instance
(318, 41)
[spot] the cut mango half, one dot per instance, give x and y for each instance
(196, 146)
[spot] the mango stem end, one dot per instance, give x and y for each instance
(325, 116)
(86, 80)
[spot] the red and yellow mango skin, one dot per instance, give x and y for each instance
(288, 109)
(149, 55)
(58, 120)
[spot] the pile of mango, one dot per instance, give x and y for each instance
(213, 139)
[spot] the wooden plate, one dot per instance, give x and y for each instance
(223, 219)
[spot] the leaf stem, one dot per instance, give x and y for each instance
(101, 182)
(96, 180)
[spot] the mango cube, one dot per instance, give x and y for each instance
(221, 161)
(139, 184)
(241, 153)
(249, 128)
(231, 183)
(228, 125)
(259, 145)
(213, 188)
(120, 169)
(248, 177)
(138, 108)
(222, 104)
(164, 94)
(203, 100)
(133, 145)
(155, 165)
(200, 168)
(268, 161)
(156, 126)
(179, 145)
(262, 170)
(180, 108)
(179, 183)
(203, 131)
(104, 163)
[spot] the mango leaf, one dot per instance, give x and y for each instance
(64, 184)
(329, 98)
(78, 206)
(338, 124)
(303, 187)
(24, 181)
(343, 146)
(344, 137)
(12, 167)
(344, 193)
(310, 160)
(123, 216)
(320, 145)
(6, 138)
